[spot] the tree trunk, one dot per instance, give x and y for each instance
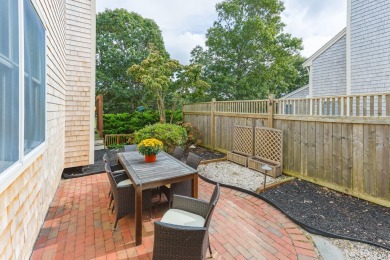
(174, 106)
(161, 109)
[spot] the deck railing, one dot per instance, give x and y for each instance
(116, 139)
(351, 105)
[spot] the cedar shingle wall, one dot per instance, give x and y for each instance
(80, 71)
(24, 203)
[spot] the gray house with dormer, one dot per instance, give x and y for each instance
(357, 59)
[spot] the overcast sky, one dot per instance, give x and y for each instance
(184, 23)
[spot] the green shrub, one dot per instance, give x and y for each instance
(171, 135)
(116, 123)
(115, 146)
(126, 123)
(193, 134)
(177, 116)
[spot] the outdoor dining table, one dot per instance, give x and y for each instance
(165, 170)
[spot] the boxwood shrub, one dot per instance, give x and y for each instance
(170, 134)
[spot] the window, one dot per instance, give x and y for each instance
(34, 79)
(21, 131)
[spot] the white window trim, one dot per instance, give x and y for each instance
(8, 176)
(13, 172)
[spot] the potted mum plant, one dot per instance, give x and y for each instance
(150, 148)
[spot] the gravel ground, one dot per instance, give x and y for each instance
(334, 211)
(234, 174)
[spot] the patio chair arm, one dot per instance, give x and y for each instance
(196, 206)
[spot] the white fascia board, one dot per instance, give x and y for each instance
(309, 61)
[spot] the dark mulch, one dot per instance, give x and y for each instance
(205, 153)
(334, 212)
(98, 166)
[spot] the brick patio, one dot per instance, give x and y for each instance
(79, 226)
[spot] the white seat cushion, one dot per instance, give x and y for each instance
(183, 218)
(124, 183)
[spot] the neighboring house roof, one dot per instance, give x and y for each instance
(309, 61)
(296, 91)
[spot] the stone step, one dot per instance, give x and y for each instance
(99, 142)
(99, 147)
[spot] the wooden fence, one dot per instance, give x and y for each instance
(338, 142)
(116, 139)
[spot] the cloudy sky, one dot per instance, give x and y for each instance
(184, 23)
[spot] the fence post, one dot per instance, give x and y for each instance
(212, 124)
(271, 99)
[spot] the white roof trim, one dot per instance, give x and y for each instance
(309, 61)
(295, 91)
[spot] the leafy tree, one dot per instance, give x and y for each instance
(168, 80)
(121, 41)
(188, 86)
(156, 73)
(248, 55)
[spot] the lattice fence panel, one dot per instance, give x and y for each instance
(243, 140)
(268, 144)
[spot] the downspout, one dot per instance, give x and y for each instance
(348, 49)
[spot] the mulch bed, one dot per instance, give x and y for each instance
(310, 204)
(332, 211)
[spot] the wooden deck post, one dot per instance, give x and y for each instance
(212, 124)
(271, 100)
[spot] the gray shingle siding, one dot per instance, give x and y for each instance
(370, 46)
(302, 93)
(329, 70)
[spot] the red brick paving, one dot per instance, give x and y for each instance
(79, 226)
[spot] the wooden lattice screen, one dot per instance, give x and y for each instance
(243, 140)
(268, 144)
(242, 145)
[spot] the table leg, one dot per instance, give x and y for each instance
(195, 186)
(138, 215)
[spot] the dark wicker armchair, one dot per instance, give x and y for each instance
(185, 187)
(115, 168)
(182, 232)
(124, 195)
(178, 153)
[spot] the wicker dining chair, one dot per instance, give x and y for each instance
(178, 153)
(182, 232)
(185, 187)
(131, 148)
(117, 170)
(124, 195)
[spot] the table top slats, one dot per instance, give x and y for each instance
(164, 168)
